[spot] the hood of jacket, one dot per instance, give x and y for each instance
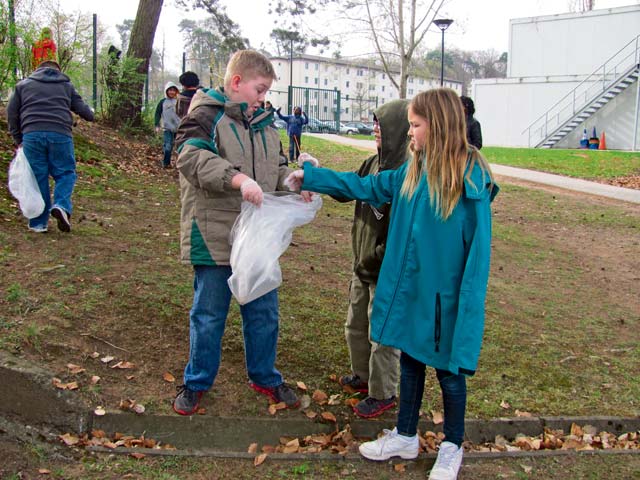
(394, 127)
(168, 85)
(49, 75)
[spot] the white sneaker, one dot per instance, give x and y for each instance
(448, 462)
(38, 229)
(391, 444)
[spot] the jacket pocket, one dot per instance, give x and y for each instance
(437, 324)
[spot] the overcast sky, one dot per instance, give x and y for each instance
(478, 25)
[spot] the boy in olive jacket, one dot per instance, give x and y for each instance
(227, 155)
(374, 367)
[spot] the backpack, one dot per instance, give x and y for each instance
(182, 105)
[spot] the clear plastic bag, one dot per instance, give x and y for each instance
(258, 238)
(23, 186)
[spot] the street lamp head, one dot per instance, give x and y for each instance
(443, 23)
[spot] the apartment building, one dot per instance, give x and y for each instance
(363, 86)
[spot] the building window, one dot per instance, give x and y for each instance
(316, 66)
(326, 95)
(421, 82)
(382, 100)
(324, 109)
(384, 76)
(315, 81)
(411, 91)
(346, 110)
(360, 72)
(383, 88)
(306, 79)
(347, 84)
(410, 80)
(348, 71)
(359, 85)
(326, 82)
(306, 65)
(372, 87)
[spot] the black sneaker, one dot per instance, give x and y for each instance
(372, 407)
(281, 393)
(64, 224)
(353, 384)
(186, 401)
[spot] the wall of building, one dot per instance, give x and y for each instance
(569, 44)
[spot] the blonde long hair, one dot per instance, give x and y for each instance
(445, 153)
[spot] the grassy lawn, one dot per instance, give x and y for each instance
(588, 164)
(562, 309)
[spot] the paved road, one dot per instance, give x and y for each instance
(568, 183)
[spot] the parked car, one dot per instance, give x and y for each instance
(330, 126)
(281, 124)
(347, 130)
(318, 126)
(361, 127)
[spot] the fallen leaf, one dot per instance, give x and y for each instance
(168, 377)
(522, 414)
(123, 365)
(44, 471)
(253, 448)
(268, 449)
(333, 377)
(311, 414)
(305, 402)
(99, 411)
(107, 359)
(94, 355)
(130, 377)
(95, 379)
(138, 408)
(437, 417)
(301, 386)
(319, 397)
(351, 402)
(329, 417)
(75, 369)
(400, 467)
(272, 409)
(504, 404)
(137, 455)
(69, 439)
(259, 460)
(335, 399)
(201, 411)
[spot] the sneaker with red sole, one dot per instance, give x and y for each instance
(186, 401)
(353, 384)
(281, 393)
(372, 407)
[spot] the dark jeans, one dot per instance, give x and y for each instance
(294, 147)
(169, 138)
(454, 398)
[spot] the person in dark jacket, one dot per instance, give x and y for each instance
(40, 120)
(374, 367)
(474, 132)
(190, 84)
(295, 123)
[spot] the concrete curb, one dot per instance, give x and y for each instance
(33, 400)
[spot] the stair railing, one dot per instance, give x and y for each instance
(594, 85)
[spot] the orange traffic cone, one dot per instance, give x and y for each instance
(603, 142)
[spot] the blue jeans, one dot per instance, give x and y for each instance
(454, 399)
(169, 138)
(207, 321)
(51, 154)
(294, 147)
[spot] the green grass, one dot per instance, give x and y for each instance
(588, 164)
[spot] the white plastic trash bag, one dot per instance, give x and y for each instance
(23, 186)
(258, 238)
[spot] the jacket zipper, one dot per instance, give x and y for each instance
(438, 326)
(253, 153)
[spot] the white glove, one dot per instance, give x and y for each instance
(295, 180)
(305, 157)
(251, 192)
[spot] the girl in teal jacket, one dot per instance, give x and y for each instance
(430, 296)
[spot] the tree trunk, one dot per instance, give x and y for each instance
(140, 48)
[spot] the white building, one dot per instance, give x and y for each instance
(566, 73)
(363, 87)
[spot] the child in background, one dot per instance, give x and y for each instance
(295, 123)
(190, 83)
(430, 295)
(167, 117)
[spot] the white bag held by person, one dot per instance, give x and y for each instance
(23, 186)
(258, 238)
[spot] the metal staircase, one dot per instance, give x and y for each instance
(599, 88)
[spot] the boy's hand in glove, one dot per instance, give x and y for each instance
(251, 191)
(294, 180)
(305, 157)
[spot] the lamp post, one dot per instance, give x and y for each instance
(442, 24)
(290, 93)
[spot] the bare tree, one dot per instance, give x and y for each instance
(397, 28)
(581, 5)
